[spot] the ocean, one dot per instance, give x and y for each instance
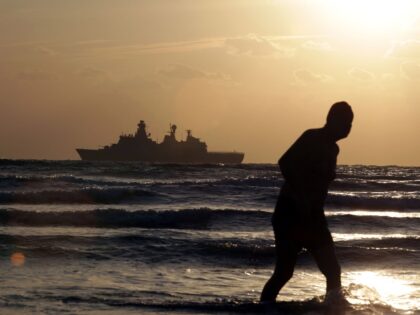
(127, 238)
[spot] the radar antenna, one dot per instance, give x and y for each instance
(173, 129)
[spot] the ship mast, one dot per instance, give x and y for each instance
(172, 131)
(141, 130)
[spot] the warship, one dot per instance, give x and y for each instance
(140, 147)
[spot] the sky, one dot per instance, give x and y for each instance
(244, 75)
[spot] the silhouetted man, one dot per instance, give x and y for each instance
(308, 168)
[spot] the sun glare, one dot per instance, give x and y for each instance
(17, 259)
(373, 17)
(389, 290)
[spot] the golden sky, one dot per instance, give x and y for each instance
(244, 75)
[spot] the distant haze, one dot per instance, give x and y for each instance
(246, 75)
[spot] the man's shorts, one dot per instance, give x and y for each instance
(299, 237)
(289, 228)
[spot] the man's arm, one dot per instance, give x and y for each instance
(296, 166)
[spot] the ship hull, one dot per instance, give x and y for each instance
(205, 158)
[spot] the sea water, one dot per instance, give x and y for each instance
(128, 238)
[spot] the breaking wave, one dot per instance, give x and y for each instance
(76, 196)
(160, 247)
(187, 218)
(379, 203)
(194, 218)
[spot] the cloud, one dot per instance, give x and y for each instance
(179, 71)
(98, 49)
(305, 76)
(410, 70)
(406, 50)
(35, 75)
(388, 77)
(255, 45)
(46, 51)
(158, 48)
(89, 72)
(252, 45)
(139, 83)
(321, 46)
(92, 42)
(361, 74)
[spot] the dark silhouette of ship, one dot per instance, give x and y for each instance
(140, 147)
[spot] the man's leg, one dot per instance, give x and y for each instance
(328, 264)
(286, 254)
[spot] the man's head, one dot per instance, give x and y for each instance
(339, 120)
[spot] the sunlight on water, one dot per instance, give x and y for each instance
(370, 286)
(368, 236)
(390, 214)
